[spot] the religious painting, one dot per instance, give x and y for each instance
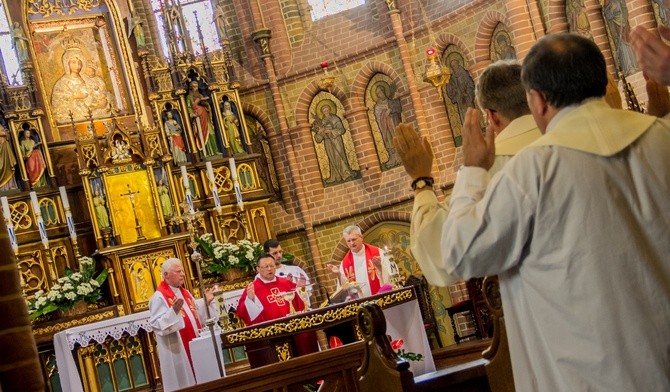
(261, 145)
(501, 44)
(459, 93)
(615, 14)
(578, 21)
(173, 128)
(80, 70)
(384, 114)
(662, 12)
(332, 140)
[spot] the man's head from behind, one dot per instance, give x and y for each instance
(274, 248)
(173, 272)
(562, 70)
(501, 95)
(353, 236)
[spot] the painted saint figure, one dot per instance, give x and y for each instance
(461, 88)
(135, 26)
(7, 162)
(232, 129)
(328, 129)
(173, 132)
(616, 17)
(199, 112)
(387, 113)
(165, 201)
(101, 210)
(33, 158)
(19, 42)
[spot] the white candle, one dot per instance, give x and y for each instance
(40, 221)
(210, 172)
(233, 168)
(184, 178)
(238, 195)
(5, 209)
(63, 198)
(36, 204)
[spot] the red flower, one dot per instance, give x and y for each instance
(397, 344)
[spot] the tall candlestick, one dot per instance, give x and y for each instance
(215, 189)
(233, 168)
(63, 198)
(210, 172)
(184, 177)
(38, 217)
(10, 226)
(187, 189)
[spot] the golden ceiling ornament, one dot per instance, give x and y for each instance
(327, 81)
(435, 73)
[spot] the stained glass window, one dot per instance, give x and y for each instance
(10, 60)
(191, 8)
(321, 8)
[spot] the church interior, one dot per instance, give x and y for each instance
(134, 129)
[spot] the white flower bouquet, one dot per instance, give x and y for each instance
(70, 289)
(223, 257)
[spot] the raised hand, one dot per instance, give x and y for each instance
(251, 293)
(415, 152)
(477, 149)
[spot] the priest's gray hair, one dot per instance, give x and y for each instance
(169, 263)
(352, 229)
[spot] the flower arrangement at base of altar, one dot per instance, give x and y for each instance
(69, 290)
(224, 257)
(397, 344)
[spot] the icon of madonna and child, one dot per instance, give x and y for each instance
(80, 92)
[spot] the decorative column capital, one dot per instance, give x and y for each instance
(262, 38)
(391, 5)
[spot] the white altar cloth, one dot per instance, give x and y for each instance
(206, 367)
(83, 335)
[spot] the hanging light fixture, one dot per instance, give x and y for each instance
(327, 81)
(436, 74)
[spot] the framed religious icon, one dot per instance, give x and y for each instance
(81, 68)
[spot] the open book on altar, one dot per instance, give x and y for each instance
(347, 292)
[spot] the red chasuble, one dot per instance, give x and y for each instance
(274, 304)
(348, 265)
(188, 332)
(274, 307)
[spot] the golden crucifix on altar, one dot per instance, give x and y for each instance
(131, 195)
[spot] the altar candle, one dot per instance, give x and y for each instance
(184, 178)
(40, 221)
(63, 198)
(35, 202)
(68, 214)
(5, 208)
(233, 168)
(215, 189)
(10, 226)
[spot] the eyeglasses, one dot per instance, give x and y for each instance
(267, 266)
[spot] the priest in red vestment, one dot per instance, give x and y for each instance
(176, 319)
(265, 300)
(364, 264)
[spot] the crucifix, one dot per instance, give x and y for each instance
(131, 195)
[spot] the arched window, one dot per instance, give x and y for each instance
(205, 14)
(322, 8)
(9, 60)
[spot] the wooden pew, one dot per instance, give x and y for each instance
(362, 366)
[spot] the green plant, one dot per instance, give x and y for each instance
(75, 286)
(222, 256)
